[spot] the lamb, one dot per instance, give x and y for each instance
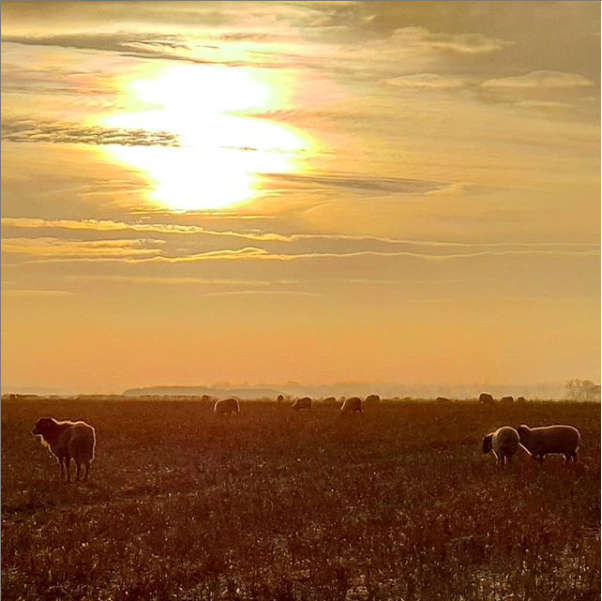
(66, 441)
(302, 403)
(504, 443)
(539, 442)
(226, 406)
(352, 405)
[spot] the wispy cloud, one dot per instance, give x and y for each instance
(31, 131)
(425, 81)
(61, 248)
(539, 80)
(360, 184)
(34, 293)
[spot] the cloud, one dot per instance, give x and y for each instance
(258, 254)
(425, 81)
(32, 131)
(96, 225)
(175, 281)
(198, 234)
(538, 80)
(33, 293)
(360, 184)
(99, 249)
(455, 43)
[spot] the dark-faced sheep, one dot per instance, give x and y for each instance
(504, 443)
(486, 399)
(66, 441)
(352, 405)
(302, 403)
(226, 407)
(539, 442)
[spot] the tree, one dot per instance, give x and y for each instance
(583, 390)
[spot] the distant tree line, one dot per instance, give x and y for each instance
(583, 390)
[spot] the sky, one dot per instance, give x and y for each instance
(323, 192)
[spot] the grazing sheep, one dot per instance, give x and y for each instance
(539, 442)
(443, 400)
(226, 407)
(329, 400)
(521, 399)
(352, 405)
(302, 403)
(504, 443)
(507, 400)
(486, 399)
(66, 441)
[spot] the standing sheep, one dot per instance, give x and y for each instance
(507, 400)
(226, 407)
(372, 399)
(539, 442)
(486, 399)
(504, 443)
(66, 441)
(352, 405)
(302, 403)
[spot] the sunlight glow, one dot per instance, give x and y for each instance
(222, 152)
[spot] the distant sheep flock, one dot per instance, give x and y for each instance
(68, 440)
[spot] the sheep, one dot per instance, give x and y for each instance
(280, 398)
(352, 405)
(504, 443)
(521, 399)
(302, 403)
(539, 442)
(486, 399)
(507, 400)
(372, 399)
(226, 406)
(329, 400)
(66, 441)
(443, 400)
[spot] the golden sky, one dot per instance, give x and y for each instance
(333, 191)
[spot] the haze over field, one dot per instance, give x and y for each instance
(325, 192)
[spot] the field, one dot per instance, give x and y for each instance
(398, 503)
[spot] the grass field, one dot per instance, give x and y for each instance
(398, 503)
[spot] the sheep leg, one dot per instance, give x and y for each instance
(67, 464)
(87, 470)
(77, 470)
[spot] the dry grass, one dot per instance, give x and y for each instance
(396, 504)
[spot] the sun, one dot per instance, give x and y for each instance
(223, 143)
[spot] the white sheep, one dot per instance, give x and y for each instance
(504, 443)
(302, 403)
(226, 407)
(539, 442)
(66, 441)
(352, 405)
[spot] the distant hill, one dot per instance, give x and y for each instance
(242, 393)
